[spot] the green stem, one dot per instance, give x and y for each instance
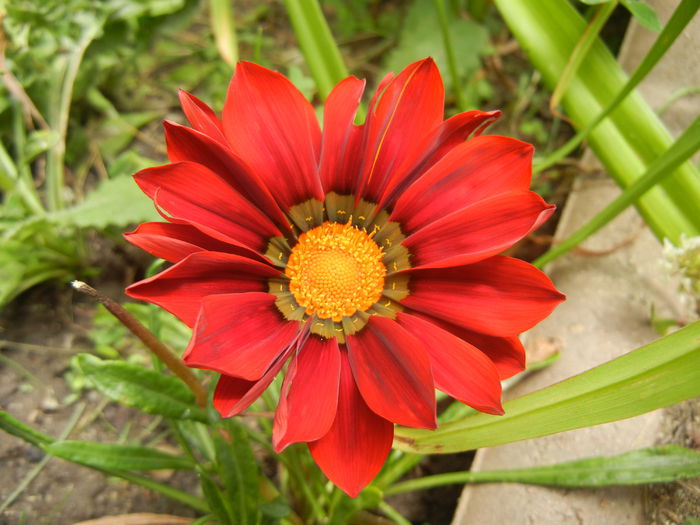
(632, 137)
(584, 44)
(317, 44)
(224, 28)
(686, 145)
(172, 361)
(60, 115)
(449, 51)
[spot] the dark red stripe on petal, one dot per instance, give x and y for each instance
(340, 152)
(188, 144)
(191, 191)
(473, 171)
(392, 370)
(460, 369)
(357, 444)
(239, 335)
(499, 296)
(478, 231)
(440, 141)
(201, 117)
(273, 128)
(174, 242)
(309, 396)
(408, 109)
(181, 288)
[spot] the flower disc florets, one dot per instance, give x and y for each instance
(336, 270)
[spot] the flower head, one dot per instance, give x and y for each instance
(362, 257)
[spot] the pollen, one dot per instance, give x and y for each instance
(336, 270)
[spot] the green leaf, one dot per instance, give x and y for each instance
(239, 472)
(18, 429)
(422, 35)
(115, 202)
(649, 465)
(659, 374)
(145, 389)
(215, 499)
(111, 456)
(644, 14)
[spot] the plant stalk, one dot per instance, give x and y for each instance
(167, 356)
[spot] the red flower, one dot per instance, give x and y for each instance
(365, 257)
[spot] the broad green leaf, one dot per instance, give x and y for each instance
(115, 202)
(644, 14)
(111, 456)
(649, 465)
(136, 386)
(659, 374)
(422, 35)
(18, 429)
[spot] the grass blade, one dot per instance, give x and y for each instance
(649, 465)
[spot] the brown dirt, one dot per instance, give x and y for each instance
(38, 336)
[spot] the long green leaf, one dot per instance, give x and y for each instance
(12, 426)
(649, 465)
(659, 374)
(18, 429)
(632, 137)
(112, 456)
(681, 150)
(224, 28)
(239, 472)
(145, 389)
(317, 44)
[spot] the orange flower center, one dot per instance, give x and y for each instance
(335, 270)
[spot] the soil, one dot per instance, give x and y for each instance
(40, 333)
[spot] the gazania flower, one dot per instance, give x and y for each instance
(362, 258)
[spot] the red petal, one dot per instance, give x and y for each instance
(409, 108)
(309, 396)
(460, 369)
(498, 296)
(181, 288)
(506, 353)
(392, 370)
(357, 444)
(201, 116)
(340, 158)
(473, 171)
(239, 334)
(188, 144)
(192, 192)
(273, 128)
(173, 242)
(478, 231)
(448, 135)
(233, 395)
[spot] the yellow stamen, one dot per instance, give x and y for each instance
(335, 270)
